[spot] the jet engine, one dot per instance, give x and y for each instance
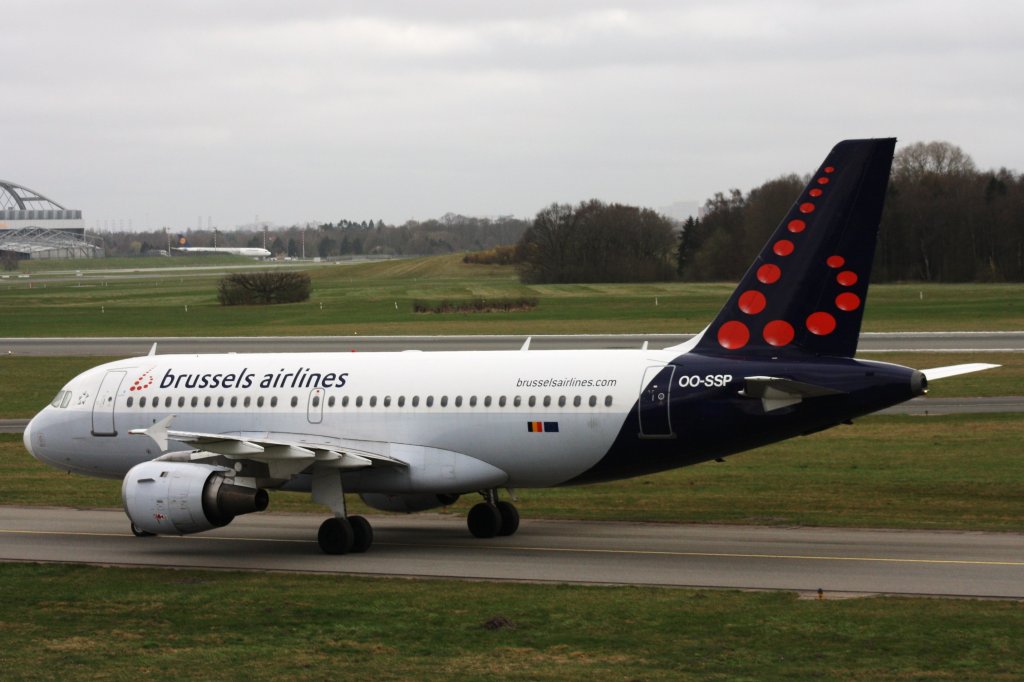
(182, 497)
(407, 503)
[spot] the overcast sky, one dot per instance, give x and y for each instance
(162, 113)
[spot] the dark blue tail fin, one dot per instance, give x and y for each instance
(806, 290)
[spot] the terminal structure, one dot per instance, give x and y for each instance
(33, 226)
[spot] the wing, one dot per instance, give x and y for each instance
(281, 457)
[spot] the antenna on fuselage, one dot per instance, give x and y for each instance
(526, 344)
(152, 351)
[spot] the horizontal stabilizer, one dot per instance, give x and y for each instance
(955, 370)
(777, 392)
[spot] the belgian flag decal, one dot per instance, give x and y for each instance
(542, 427)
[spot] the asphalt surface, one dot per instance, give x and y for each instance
(131, 346)
(838, 561)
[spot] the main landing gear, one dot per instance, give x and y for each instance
(342, 533)
(492, 517)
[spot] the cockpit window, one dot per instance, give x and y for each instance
(57, 398)
(66, 400)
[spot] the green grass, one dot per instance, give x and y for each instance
(362, 298)
(956, 472)
(76, 622)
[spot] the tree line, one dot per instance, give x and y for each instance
(944, 221)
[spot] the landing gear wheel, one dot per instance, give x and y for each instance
(139, 533)
(484, 520)
(509, 518)
(336, 536)
(362, 534)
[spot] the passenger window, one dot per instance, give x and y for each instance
(130, 401)
(66, 400)
(547, 401)
(561, 401)
(458, 401)
(316, 401)
(330, 401)
(373, 401)
(576, 401)
(401, 401)
(487, 401)
(608, 401)
(295, 401)
(181, 401)
(444, 401)
(156, 402)
(387, 401)
(359, 401)
(501, 401)
(220, 401)
(430, 401)
(195, 401)
(415, 401)
(517, 401)
(259, 401)
(533, 400)
(593, 401)
(142, 401)
(167, 401)
(273, 401)
(472, 401)
(344, 401)
(234, 401)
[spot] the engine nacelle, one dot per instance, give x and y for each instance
(178, 498)
(407, 503)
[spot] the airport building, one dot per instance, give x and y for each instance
(33, 226)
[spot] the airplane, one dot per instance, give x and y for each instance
(252, 251)
(199, 439)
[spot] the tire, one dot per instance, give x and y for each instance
(336, 536)
(484, 521)
(509, 518)
(362, 533)
(139, 533)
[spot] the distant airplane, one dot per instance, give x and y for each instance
(254, 252)
(199, 439)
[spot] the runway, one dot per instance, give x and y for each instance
(838, 561)
(959, 342)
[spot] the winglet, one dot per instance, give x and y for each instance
(158, 431)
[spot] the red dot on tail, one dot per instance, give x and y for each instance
(847, 278)
(815, 192)
(796, 225)
(835, 261)
(822, 181)
(769, 273)
(821, 324)
(807, 207)
(778, 333)
(829, 169)
(783, 247)
(847, 301)
(733, 335)
(752, 302)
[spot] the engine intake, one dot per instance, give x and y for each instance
(182, 497)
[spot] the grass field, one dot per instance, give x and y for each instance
(377, 298)
(103, 623)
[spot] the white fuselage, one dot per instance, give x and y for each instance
(543, 417)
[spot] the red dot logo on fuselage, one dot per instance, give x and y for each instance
(144, 381)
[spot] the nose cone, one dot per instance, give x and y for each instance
(27, 438)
